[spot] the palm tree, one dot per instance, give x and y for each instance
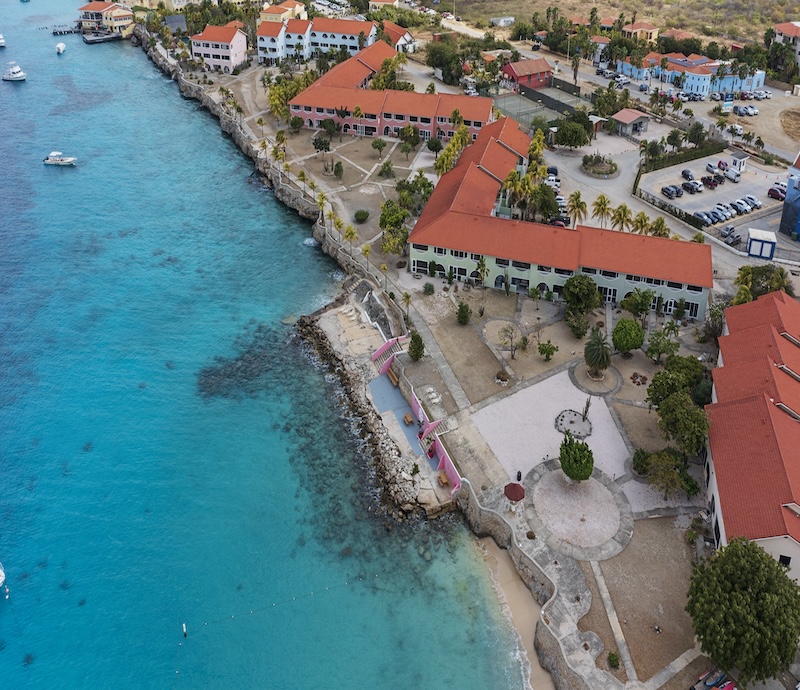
(366, 250)
(280, 138)
(350, 234)
(406, 297)
(321, 199)
(780, 280)
(358, 114)
(302, 177)
(659, 228)
(512, 186)
(456, 118)
(263, 146)
(260, 123)
(384, 269)
(482, 270)
(759, 143)
(597, 353)
(621, 218)
(641, 223)
(601, 209)
(675, 138)
(338, 223)
(576, 208)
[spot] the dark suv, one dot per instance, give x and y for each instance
(687, 174)
(689, 187)
(668, 192)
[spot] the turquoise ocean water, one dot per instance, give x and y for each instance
(169, 453)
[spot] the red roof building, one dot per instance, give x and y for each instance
(468, 218)
(385, 113)
(752, 467)
(534, 74)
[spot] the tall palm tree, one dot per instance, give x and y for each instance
(780, 280)
(321, 199)
(601, 209)
(597, 353)
(384, 270)
(280, 138)
(576, 208)
(350, 234)
(456, 118)
(260, 123)
(621, 218)
(641, 223)
(302, 177)
(358, 114)
(406, 297)
(263, 146)
(659, 228)
(512, 187)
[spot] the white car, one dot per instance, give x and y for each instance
(747, 207)
(753, 109)
(753, 201)
(447, 15)
(719, 208)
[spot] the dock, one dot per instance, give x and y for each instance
(101, 38)
(64, 30)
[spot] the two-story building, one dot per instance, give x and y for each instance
(752, 471)
(467, 220)
(401, 38)
(302, 39)
(288, 9)
(221, 48)
(106, 17)
(534, 74)
(641, 31)
(789, 32)
(385, 113)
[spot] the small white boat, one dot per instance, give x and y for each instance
(58, 158)
(2, 575)
(14, 73)
(2, 41)
(60, 48)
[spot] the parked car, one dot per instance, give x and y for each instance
(710, 167)
(719, 177)
(733, 239)
(724, 211)
(675, 188)
(722, 165)
(703, 218)
(668, 192)
(780, 185)
(687, 174)
(560, 200)
(747, 207)
(689, 187)
(733, 175)
(709, 182)
(698, 186)
(643, 87)
(740, 207)
(622, 80)
(776, 193)
(716, 96)
(600, 71)
(534, 46)
(716, 216)
(753, 110)
(552, 170)
(752, 200)
(727, 230)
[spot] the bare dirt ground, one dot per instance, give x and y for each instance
(641, 426)
(790, 120)
(648, 582)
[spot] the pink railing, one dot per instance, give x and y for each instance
(387, 364)
(387, 346)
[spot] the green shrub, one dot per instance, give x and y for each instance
(416, 348)
(387, 170)
(361, 215)
(547, 350)
(451, 275)
(577, 459)
(577, 323)
(613, 660)
(463, 313)
(768, 158)
(641, 460)
(427, 289)
(524, 342)
(690, 486)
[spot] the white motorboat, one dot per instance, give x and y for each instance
(2, 575)
(14, 73)
(60, 48)
(2, 41)
(58, 158)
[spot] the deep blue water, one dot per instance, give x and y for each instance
(169, 453)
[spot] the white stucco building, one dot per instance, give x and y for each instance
(222, 48)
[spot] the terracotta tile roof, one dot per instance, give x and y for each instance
(403, 102)
(764, 340)
(275, 9)
(608, 21)
(578, 21)
(490, 155)
(297, 26)
(350, 27)
(217, 34)
(291, 4)
(775, 308)
(270, 29)
(473, 108)
(692, 69)
(601, 39)
(639, 26)
(791, 29)
(628, 115)
(674, 56)
(96, 7)
(507, 132)
(754, 448)
(374, 55)
(525, 67)
(347, 74)
(653, 257)
(322, 96)
(736, 381)
(236, 24)
(394, 31)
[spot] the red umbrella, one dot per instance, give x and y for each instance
(514, 492)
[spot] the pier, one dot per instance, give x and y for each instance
(64, 30)
(101, 38)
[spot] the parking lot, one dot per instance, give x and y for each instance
(753, 181)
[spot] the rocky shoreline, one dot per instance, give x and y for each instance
(396, 481)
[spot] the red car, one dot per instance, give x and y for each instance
(709, 182)
(776, 193)
(722, 165)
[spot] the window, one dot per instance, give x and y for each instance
(589, 271)
(400, 118)
(674, 286)
(694, 288)
(522, 265)
(713, 504)
(544, 269)
(563, 272)
(653, 281)
(717, 534)
(785, 560)
(320, 111)
(477, 124)
(413, 118)
(457, 254)
(425, 120)
(692, 309)
(388, 116)
(468, 123)
(441, 251)
(307, 108)
(442, 120)
(419, 266)
(459, 273)
(420, 247)
(476, 257)
(633, 279)
(330, 111)
(501, 262)
(609, 274)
